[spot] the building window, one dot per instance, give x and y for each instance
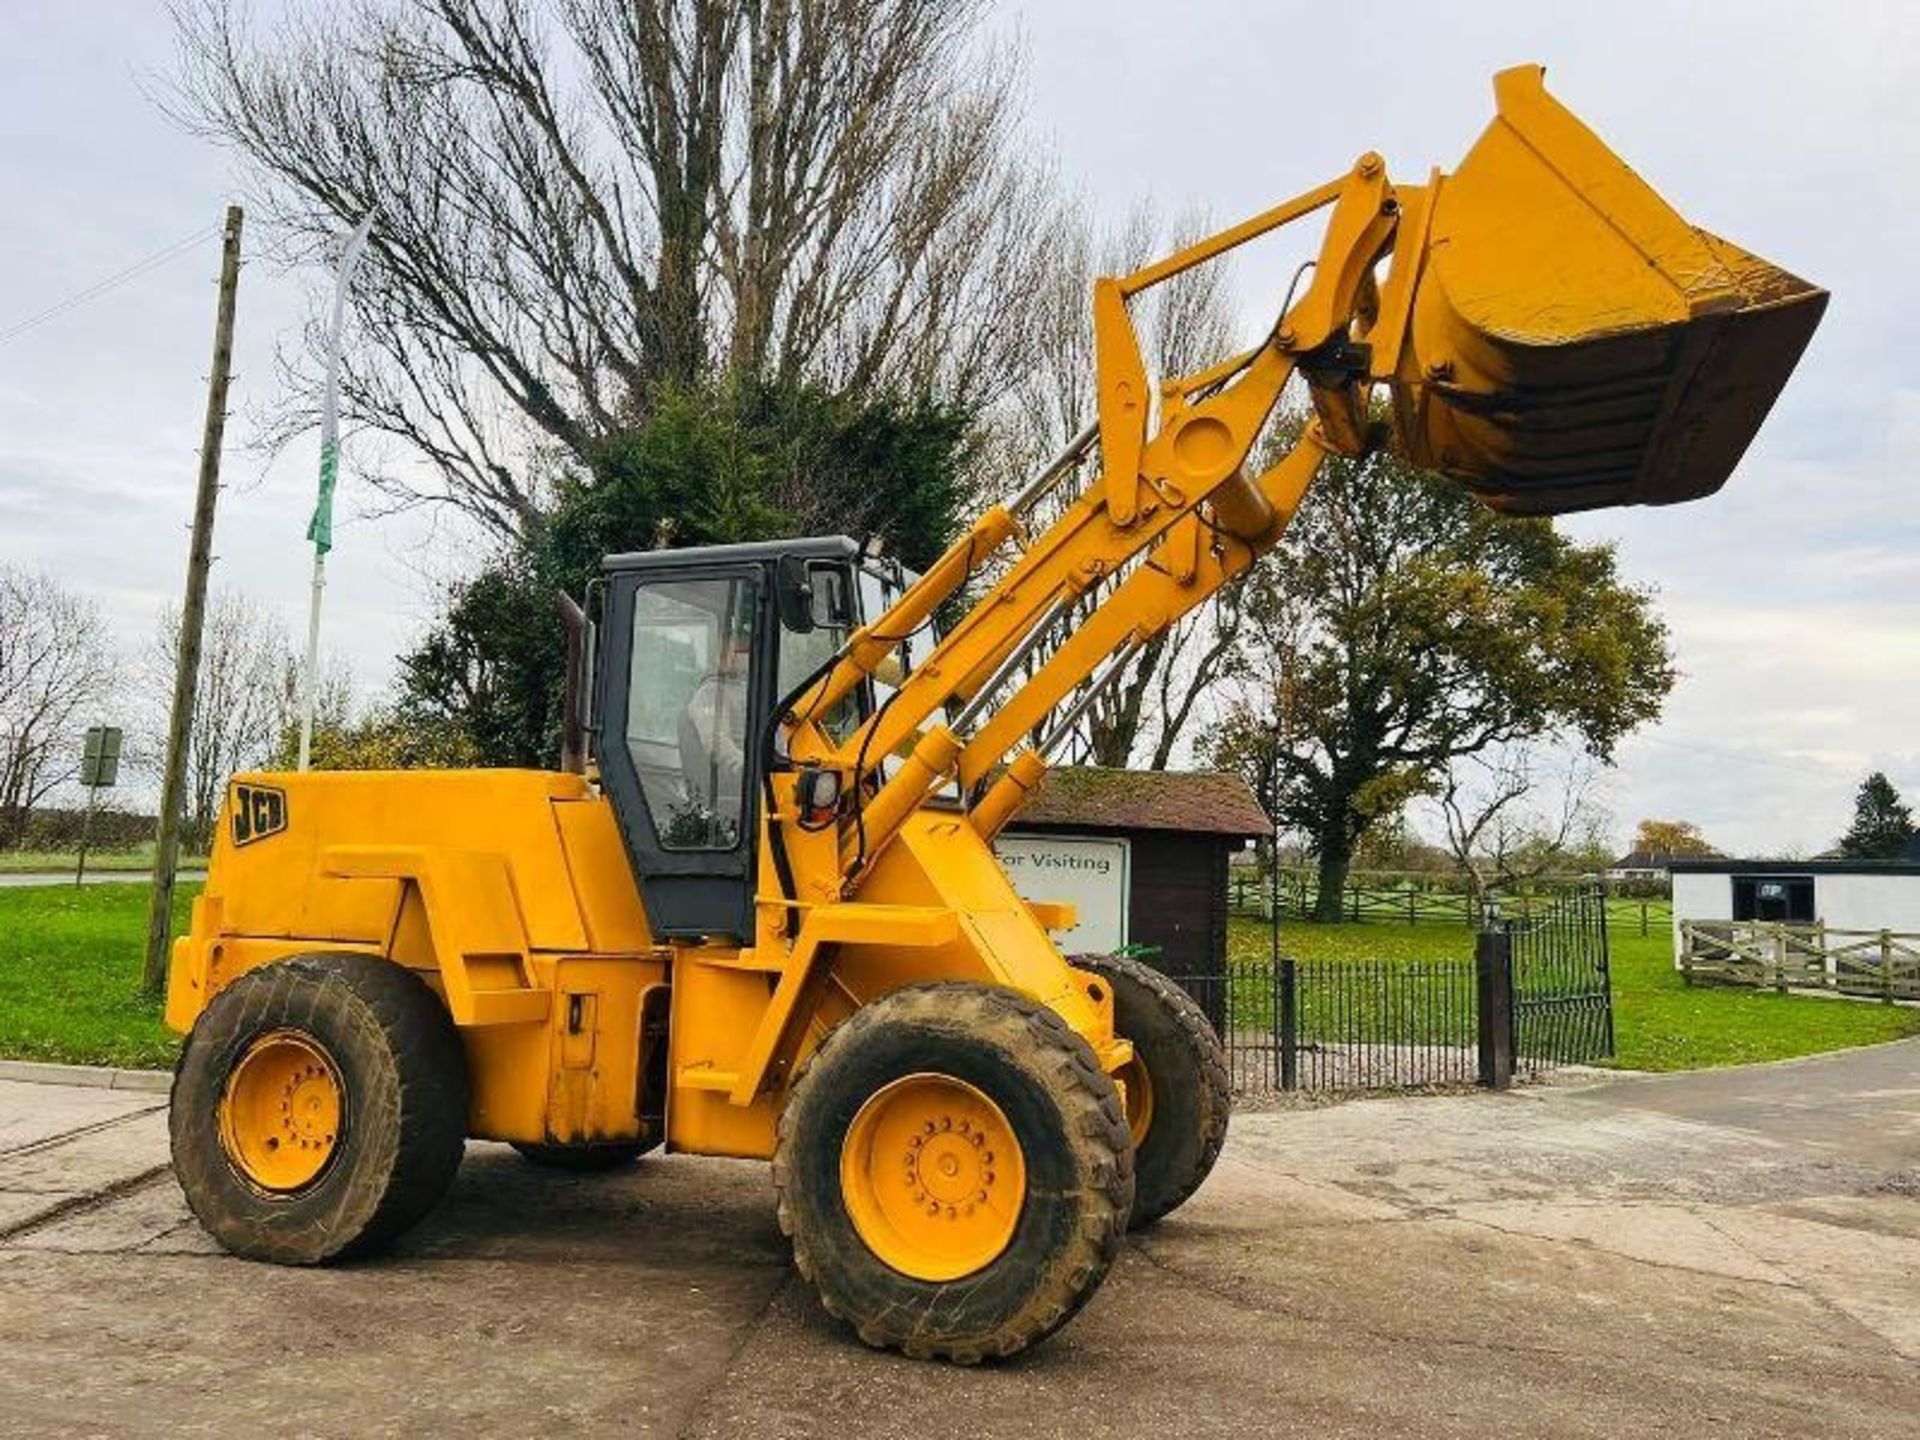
(1786, 898)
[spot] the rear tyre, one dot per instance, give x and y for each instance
(584, 1159)
(319, 1108)
(954, 1171)
(1179, 1094)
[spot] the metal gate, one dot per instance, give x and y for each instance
(1535, 992)
(1562, 986)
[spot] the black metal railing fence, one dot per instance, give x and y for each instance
(1320, 1025)
(1521, 995)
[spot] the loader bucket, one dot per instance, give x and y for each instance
(1573, 342)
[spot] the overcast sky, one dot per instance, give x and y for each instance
(1794, 595)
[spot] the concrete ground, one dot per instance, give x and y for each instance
(1735, 1253)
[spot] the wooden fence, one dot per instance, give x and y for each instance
(1875, 964)
(1251, 893)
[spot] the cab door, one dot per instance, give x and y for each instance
(683, 707)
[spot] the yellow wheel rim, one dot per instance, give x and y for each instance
(1136, 1085)
(933, 1177)
(281, 1111)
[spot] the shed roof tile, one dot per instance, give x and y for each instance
(1206, 802)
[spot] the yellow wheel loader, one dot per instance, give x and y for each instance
(757, 912)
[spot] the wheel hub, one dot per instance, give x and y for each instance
(933, 1177)
(281, 1112)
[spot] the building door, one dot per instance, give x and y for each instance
(1782, 898)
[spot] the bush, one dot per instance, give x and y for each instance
(57, 829)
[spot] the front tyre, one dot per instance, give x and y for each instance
(954, 1170)
(319, 1108)
(1178, 1092)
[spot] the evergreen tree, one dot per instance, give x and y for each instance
(1882, 823)
(707, 465)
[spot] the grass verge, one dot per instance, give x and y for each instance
(137, 861)
(70, 975)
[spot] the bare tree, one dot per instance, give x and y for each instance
(242, 707)
(1510, 817)
(1184, 325)
(581, 201)
(56, 674)
(335, 709)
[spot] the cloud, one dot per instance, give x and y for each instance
(1794, 602)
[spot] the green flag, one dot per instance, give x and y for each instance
(320, 527)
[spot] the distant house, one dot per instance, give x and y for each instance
(1141, 854)
(1641, 865)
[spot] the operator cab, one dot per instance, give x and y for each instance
(695, 652)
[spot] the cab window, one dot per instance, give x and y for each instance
(687, 707)
(801, 654)
(879, 590)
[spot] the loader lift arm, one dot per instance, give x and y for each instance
(1549, 331)
(1183, 491)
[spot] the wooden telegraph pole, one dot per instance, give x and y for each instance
(192, 617)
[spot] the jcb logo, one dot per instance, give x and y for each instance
(258, 811)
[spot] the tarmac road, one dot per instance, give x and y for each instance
(1734, 1253)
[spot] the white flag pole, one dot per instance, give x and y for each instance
(320, 527)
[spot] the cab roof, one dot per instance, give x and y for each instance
(812, 547)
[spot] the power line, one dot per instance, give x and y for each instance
(1805, 767)
(101, 287)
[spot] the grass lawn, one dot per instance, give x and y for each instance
(70, 975)
(136, 861)
(1660, 1023)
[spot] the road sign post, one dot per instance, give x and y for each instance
(99, 769)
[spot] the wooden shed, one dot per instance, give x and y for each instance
(1175, 831)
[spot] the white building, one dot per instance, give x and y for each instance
(1841, 894)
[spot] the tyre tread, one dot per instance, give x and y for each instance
(1158, 1196)
(360, 993)
(1089, 1105)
